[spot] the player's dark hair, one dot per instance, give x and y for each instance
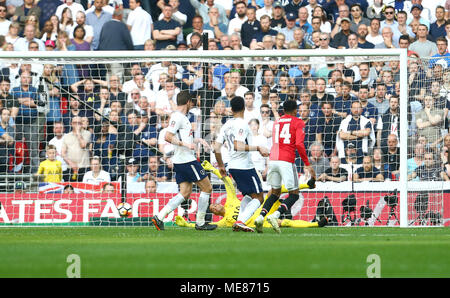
(290, 106)
(183, 97)
(237, 104)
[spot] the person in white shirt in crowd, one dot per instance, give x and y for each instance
(166, 102)
(4, 22)
(57, 141)
(72, 5)
(250, 111)
(258, 139)
(96, 175)
(29, 35)
(140, 24)
(235, 24)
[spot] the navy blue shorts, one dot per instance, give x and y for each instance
(247, 181)
(189, 172)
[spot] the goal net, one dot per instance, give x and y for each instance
(82, 132)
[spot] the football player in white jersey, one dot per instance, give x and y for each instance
(188, 170)
(236, 133)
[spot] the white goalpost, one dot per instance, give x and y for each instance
(122, 132)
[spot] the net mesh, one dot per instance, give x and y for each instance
(105, 120)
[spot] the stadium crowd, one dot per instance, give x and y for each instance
(103, 120)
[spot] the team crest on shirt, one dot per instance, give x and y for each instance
(241, 131)
(172, 124)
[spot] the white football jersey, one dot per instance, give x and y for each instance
(181, 127)
(236, 129)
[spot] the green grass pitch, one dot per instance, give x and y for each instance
(186, 253)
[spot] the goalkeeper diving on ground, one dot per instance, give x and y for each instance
(230, 210)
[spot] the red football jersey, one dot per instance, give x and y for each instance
(287, 135)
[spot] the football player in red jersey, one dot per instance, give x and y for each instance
(287, 137)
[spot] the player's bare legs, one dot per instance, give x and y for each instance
(203, 204)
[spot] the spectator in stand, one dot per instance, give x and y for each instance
(198, 27)
(50, 169)
(155, 170)
(22, 12)
(140, 24)
(416, 160)
(48, 32)
(7, 139)
(429, 171)
(266, 30)
(288, 31)
(437, 29)
(22, 44)
(402, 28)
(80, 20)
(72, 5)
(68, 189)
(442, 56)
(203, 8)
(29, 120)
(388, 39)
(218, 29)
(108, 188)
(318, 160)
(96, 175)
(422, 45)
(357, 17)
(375, 11)
(356, 129)
(78, 39)
(66, 23)
(48, 8)
(4, 22)
(392, 158)
(75, 151)
(416, 13)
(325, 24)
(430, 121)
(166, 103)
(380, 100)
(57, 141)
(351, 161)
(389, 18)
(388, 123)
(235, 24)
(278, 20)
(374, 35)
(369, 110)
(146, 137)
(368, 172)
(334, 172)
(6, 98)
(151, 186)
(260, 162)
(132, 170)
(328, 126)
(166, 30)
(97, 19)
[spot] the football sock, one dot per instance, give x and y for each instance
(268, 204)
(171, 205)
(203, 204)
(298, 223)
(287, 203)
(249, 210)
(244, 202)
(303, 186)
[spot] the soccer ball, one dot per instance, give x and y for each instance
(124, 209)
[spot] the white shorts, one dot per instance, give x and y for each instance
(282, 172)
